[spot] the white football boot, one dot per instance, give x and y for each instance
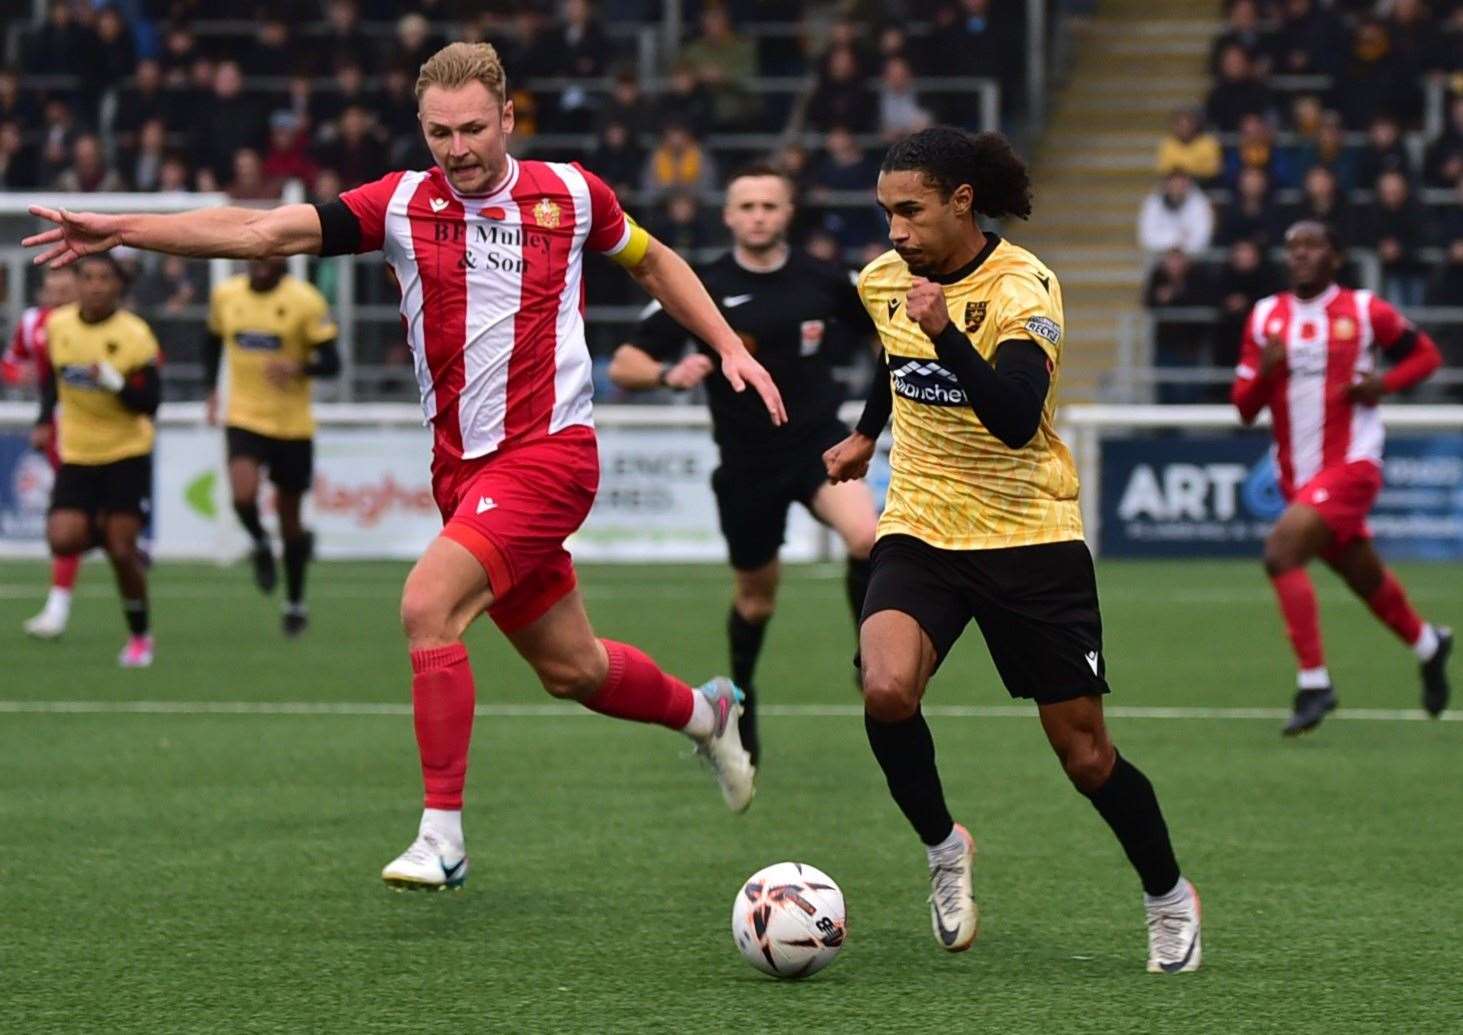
(723, 750)
(953, 912)
(1174, 944)
(431, 863)
(47, 625)
(137, 653)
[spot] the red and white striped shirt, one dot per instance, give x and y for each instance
(1331, 341)
(492, 295)
(25, 357)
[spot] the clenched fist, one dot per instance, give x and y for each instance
(926, 306)
(849, 460)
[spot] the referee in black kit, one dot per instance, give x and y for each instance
(789, 309)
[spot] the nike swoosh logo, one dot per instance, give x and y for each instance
(947, 936)
(438, 204)
(1174, 968)
(732, 301)
(451, 872)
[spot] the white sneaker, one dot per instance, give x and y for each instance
(1174, 944)
(137, 653)
(723, 749)
(47, 625)
(953, 912)
(430, 864)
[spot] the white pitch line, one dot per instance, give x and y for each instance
(569, 711)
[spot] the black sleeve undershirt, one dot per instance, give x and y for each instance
(143, 390)
(880, 402)
(324, 361)
(48, 396)
(213, 350)
(1007, 397)
(340, 230)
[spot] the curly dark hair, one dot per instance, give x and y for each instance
(948, 157)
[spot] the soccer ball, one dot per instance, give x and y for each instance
(788, 920)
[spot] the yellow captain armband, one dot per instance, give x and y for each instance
(636, 245)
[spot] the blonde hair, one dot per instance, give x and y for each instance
(458, 64)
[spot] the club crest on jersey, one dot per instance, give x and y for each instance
(1343, 327)
(974, 316)
(546, 214)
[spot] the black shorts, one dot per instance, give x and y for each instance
(1036, 607)
(291, 461)
(121, 487)
(753, 497)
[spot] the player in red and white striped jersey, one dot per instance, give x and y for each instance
(1312, 355)
(23, 363)
(488, 251)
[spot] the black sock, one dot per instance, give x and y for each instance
(249, 518)
(746, 644)
(906, 752)
(856, 583)
(1130, 807)
(135, 611)
(296, 555)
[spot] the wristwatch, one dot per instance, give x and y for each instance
(665, 368)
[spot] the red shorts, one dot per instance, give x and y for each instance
(513, 510)
(1343, 495)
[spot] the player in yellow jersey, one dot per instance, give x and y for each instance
(981, 520)
(100, 385)
(278, 335)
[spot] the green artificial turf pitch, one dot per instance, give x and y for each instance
(194, 870)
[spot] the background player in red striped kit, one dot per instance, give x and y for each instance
(22, 364)
(488, 251)
(1317, 371)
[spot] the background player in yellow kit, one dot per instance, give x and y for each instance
(981, 519)
(278, 335)
(100, 384)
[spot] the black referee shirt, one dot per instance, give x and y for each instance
(797, 321)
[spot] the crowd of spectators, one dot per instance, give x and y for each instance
(1317, 110)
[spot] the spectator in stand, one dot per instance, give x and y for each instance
(347, 87)
(1329, 149)
(1374, 82)
(685, 100)
(1444, 162)
(229, 121)
(17, 104)
(1393, 225)
(1256, 149)
(679, 224)
(147, 98)
(1323, 201)
(288, 155)
(249, 182)
(396, 114)
(900, 110)
(171, 285)
(180, 51)
(724, 60)
(60, 43)
(88, 171)
(1446, 284)
(17, 161)
(841, 98)
(848, 33)
(358, 150)
(1244, 279)
(1175, 215)
(891, 41)
(414, 41)
(1189, 149)
(145, 160)
(618, 160)
(175, 174)
(842, 168)
(1237, 93)
(580, 51)
(273, 52)
(343, 40)
(1175, 282)
(1244, 29)
(1311, 40)
(58, 131)
(678, 163)
(1252, 215)
(820, 244)
(1441, 59)
(628, 105)
(1384, 152)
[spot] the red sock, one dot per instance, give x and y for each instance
(637, 689)
(442, 700)
(1302, 620)
(1390, 604)
(63, 571)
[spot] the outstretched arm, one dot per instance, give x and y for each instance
(212, 233)
(670, 281)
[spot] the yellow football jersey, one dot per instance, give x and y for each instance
(952, 483)
(286, 322)
(93, 425)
